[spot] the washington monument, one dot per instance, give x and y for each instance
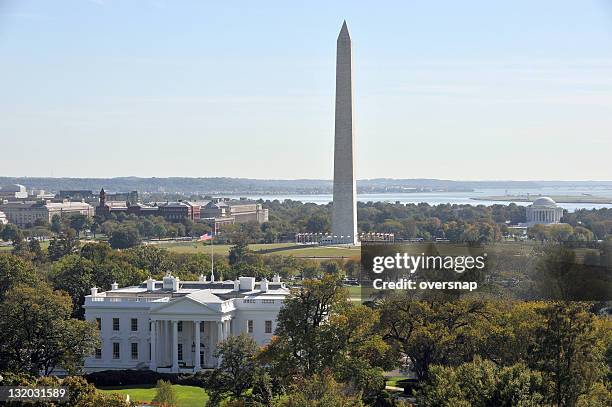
(344, 210)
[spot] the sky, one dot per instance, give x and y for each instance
(470, 90)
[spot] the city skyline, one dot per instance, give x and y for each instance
(466, 92)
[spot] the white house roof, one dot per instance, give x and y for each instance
(204, 297)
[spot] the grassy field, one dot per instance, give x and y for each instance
(392, 380)
(188, 396)
(285, 249)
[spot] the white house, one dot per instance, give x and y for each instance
(174, 326)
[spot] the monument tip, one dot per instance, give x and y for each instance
(344, 30)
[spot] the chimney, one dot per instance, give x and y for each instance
(276, 278)
(202, 278)
(114, 286)
(264, 285)
(150, 284)
(94, 291)
(236, 285)
(247, 283)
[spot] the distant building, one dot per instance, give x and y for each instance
(109, 203)
(77, 195)
(242, 210)
(24, 214)
(543, 211)
(3, 219)
(139, 209)
(131, 197)
(13, 192)
(220, 212)
(178, 211)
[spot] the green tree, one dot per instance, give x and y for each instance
(482, 383)
(15, 271)
(165, 394)
(56, 224)
(38, 335)
(65, 245)
(38, 256)
(79, 222)
(9, 232)
(431, 332)
(320, 328)
(74, 275)
(124, 238)
(568, 351)
(236, 372)
(238, 252)
(320, 390)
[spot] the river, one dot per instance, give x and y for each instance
(460, 198)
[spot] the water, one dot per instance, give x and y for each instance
(460, 198)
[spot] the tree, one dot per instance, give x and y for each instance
(74, 275)
(15, 271)
(482, 383)
(38, 335)
(430, 332)
(238, 252)
(124, 238)
(79, 222)
(320, 390)
(318, 223)
(165, 394)
(237, 370)
(38, 256)
(65, 245)
(319, 328)
(9, 232)
(20, 247)
(56, 223)
(568, 351)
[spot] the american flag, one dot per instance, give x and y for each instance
(205, 237)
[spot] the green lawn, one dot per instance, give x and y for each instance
(188, 396)
(288, 249)
(392, 381)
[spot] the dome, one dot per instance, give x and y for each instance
(544, 202)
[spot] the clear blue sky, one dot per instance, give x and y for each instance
(485, 89)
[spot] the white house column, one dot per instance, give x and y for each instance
(153, 364)
(197, 365)
(175, 366)
(219, 340)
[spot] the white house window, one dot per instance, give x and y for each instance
(180, 351)
(268, 327)
(115, 324)
(116, 352)
(134, 324)
(201, 326)
(98, 353)
(99, 323)
(180, 326)
(134, 349)
(250, 326)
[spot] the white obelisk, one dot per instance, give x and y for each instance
(344, 211)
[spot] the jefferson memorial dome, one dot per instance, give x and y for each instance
(544, 211)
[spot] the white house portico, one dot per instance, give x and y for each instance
(174, 326)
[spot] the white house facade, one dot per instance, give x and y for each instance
(174, 326)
